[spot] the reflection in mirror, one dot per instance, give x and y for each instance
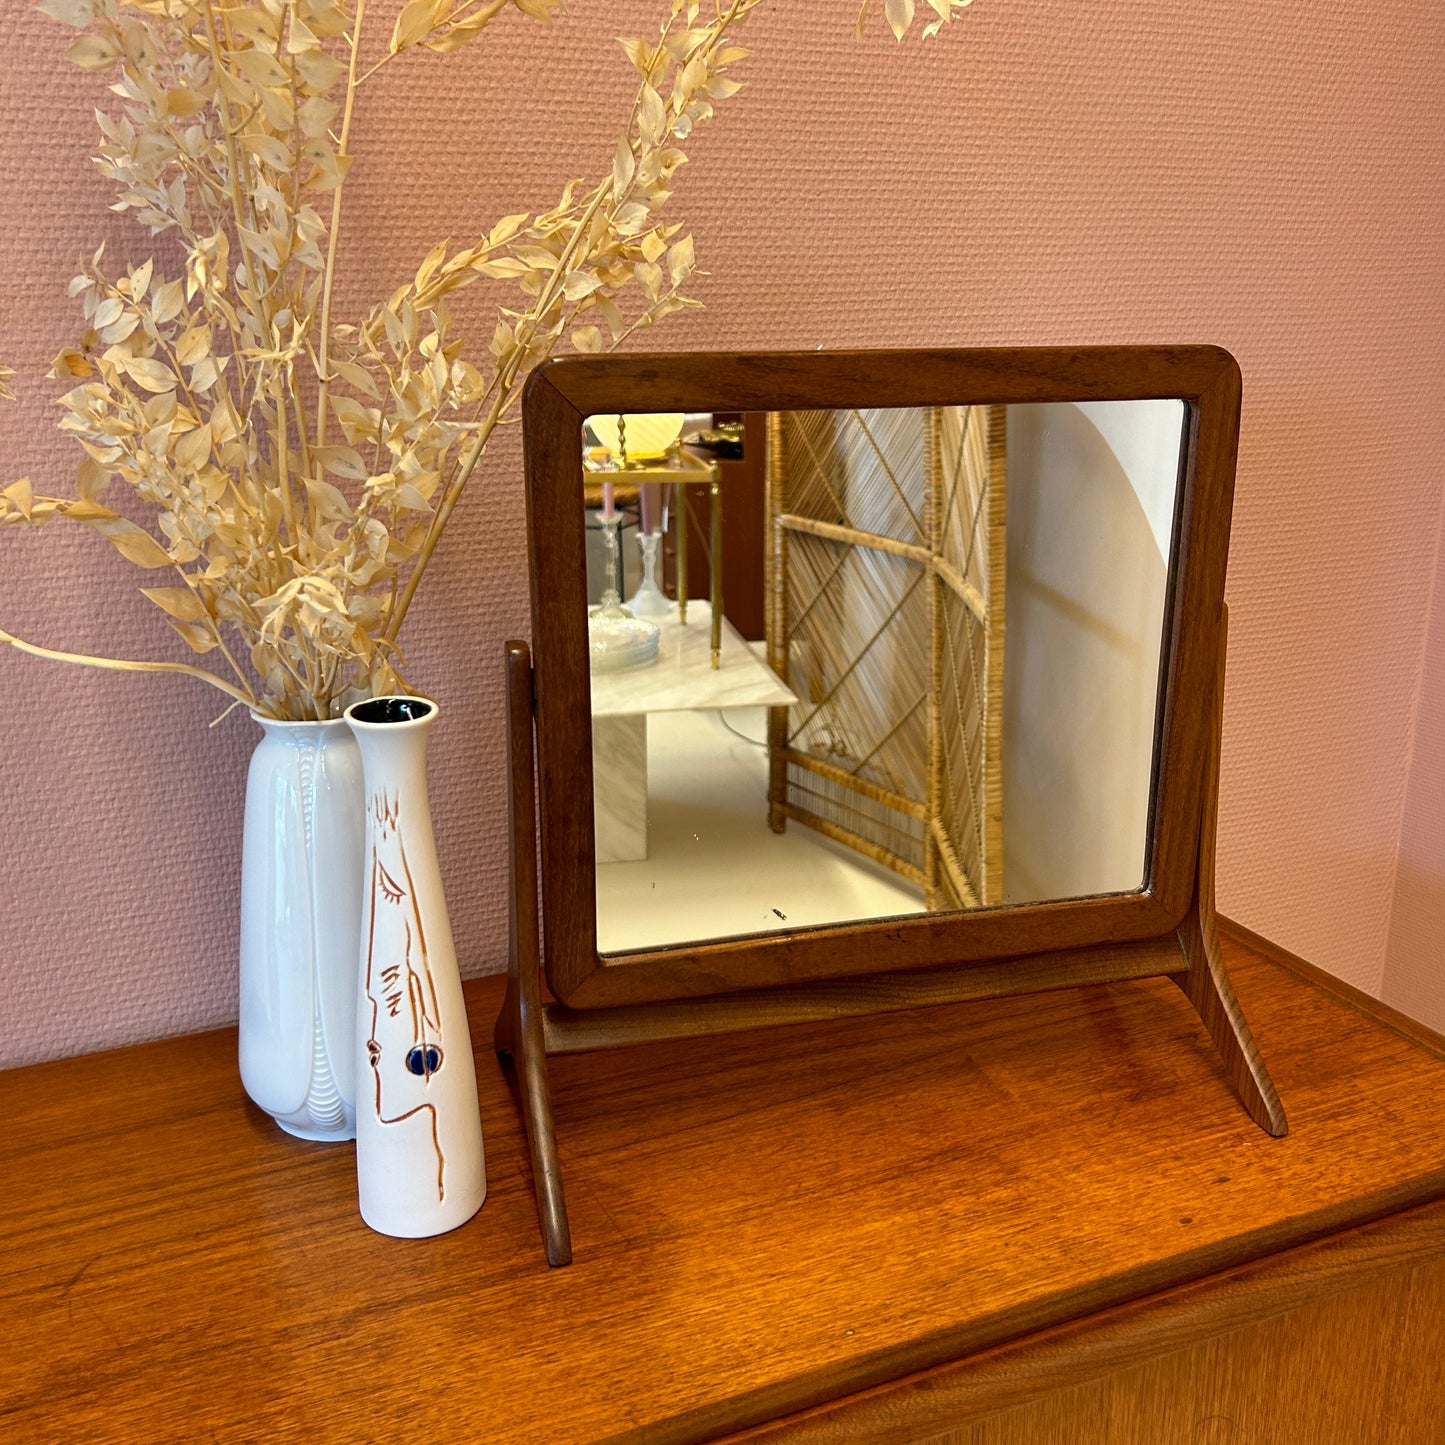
(862, 664)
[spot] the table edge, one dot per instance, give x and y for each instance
(965, 1390)
(754, 1414)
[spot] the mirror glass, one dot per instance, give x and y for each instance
(853, 665)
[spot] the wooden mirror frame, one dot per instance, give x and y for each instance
(561, 395)
(1164, 928)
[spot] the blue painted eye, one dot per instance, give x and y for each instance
(423, 1061)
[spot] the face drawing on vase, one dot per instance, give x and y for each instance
(405, 1042)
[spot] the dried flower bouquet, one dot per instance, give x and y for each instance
(297, 471)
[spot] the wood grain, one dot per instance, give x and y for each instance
(764, 1222)
(517, 1037)
(1206, 983)
(1297, 1380)
(571, 1030)
(1357, 998)
(1055, 1385)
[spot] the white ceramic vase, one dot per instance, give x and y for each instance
(301, 862)
(419, 1162)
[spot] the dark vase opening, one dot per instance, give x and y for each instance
(391, 710)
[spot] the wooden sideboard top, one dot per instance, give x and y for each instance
(762, 1221)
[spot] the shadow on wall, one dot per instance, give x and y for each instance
(1414, 980)
(1090, 513)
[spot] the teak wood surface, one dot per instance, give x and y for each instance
(560, 395)
(878, 1229)
(528, 1028)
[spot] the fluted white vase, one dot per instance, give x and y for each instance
(301, 885)
(419, 1162)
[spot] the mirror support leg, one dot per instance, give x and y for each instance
(518, 1032)
(1205, 983)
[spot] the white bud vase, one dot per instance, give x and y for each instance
(650, 600)
(300, 926)
(419, 1164)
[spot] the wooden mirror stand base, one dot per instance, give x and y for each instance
(529, 1029)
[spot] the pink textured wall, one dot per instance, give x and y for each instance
(1267, 177)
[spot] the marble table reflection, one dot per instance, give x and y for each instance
(682, 679)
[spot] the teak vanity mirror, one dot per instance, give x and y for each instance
(865, 681)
